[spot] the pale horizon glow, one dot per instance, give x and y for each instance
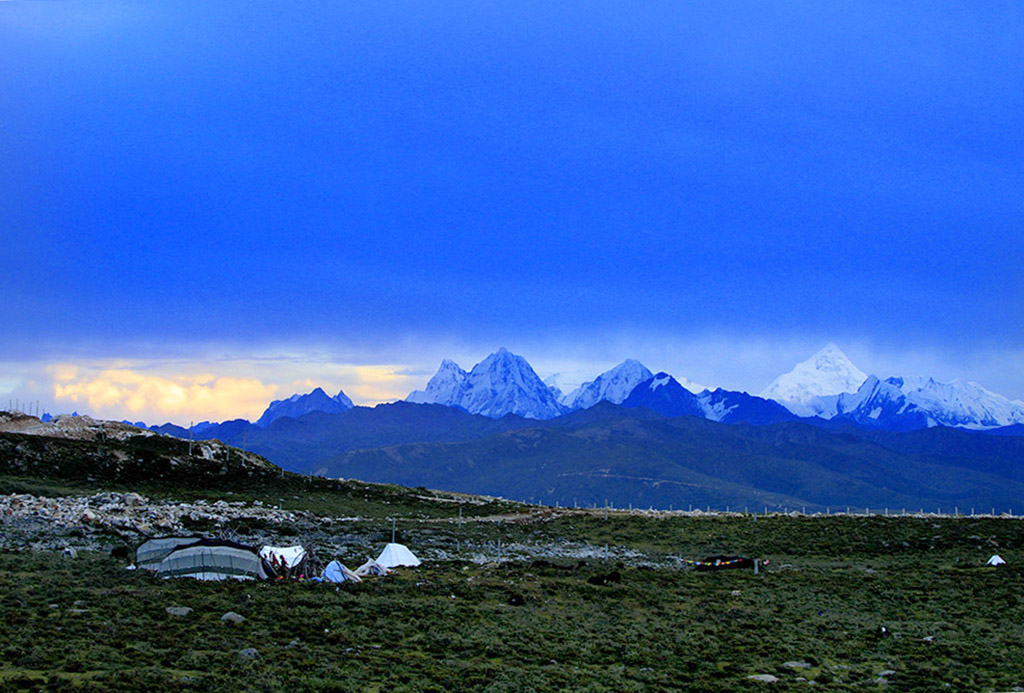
(229, 387)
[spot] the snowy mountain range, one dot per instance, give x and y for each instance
(830, 387)
(825, 388)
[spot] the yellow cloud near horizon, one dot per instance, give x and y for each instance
(117, 392)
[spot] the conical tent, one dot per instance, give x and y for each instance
(337, 572)
(996, 560)
(395, 555)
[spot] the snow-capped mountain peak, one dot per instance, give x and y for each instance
(660, 380)
(829, 372)
(447, 386)
(663, 393)
(613, 386)
(503, 383)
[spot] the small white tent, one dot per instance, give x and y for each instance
(371, 567)
(395, 555)
(996, 560)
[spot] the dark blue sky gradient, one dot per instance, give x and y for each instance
(193, 171)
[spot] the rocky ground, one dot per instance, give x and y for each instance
(68, 426)
(95, 522)
(102, 521)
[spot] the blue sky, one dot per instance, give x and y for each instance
(343, 194)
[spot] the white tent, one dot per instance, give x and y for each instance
(291, 556)
(337, 572)
(213, 559)
(395, 555)
(371, 567)
(996, 560)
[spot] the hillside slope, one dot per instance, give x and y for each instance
(688, 460)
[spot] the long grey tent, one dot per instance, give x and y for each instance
(152, 551)
(211, 559)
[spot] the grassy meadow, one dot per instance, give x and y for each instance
(813, 617)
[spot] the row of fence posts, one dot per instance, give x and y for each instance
(786, 510)
(30, 408)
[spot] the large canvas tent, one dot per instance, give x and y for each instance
(212, 559)
(395, 555)
(152, 551)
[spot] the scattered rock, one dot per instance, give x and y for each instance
(796, 665)
(294, 643)
(133, 500)
(886, 672)
(249, 654)
(178, 610)
(232, 617)
(763, 678)
(928, 638)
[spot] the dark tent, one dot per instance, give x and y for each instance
(152, 551)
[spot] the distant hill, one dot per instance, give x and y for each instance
(298, 444)
(132, 458)
(649, 460)
(297, 405)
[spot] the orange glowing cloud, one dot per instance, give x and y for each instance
(113, 393)
(241, 389)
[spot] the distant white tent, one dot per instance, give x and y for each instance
(996, 560)
(337, 572)
(395, 555)
(371, 567)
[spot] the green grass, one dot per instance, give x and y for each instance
(831, 584)
(87, 624)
